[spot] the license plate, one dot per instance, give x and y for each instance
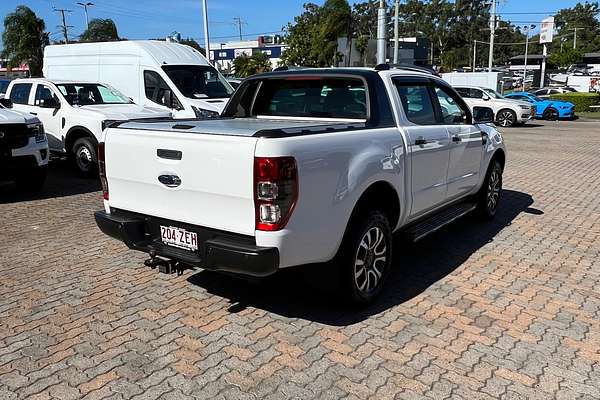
(178, 237)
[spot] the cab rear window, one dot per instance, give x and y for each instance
(308, 97)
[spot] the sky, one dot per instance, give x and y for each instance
(143, 19)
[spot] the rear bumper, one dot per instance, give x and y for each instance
(218, 251)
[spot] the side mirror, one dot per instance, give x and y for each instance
(49, 103)
(485, 97)
(483, 115)
(6, 103)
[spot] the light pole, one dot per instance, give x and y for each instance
(206, 38)
(527, 29)
(397, 9)
(381, 40)
(85, 7)
(492, 34)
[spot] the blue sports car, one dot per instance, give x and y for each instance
(546, 109)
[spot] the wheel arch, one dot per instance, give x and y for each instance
(381, 195)
(499, 156)
(75, 133)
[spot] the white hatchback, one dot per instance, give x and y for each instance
(507, 112)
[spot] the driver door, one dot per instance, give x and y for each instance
(50, 116)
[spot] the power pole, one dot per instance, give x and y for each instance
(85, 7)
(64, 27)
(492, 34)
(574, 37)
(396, 23)
(381, 39)
(239, 22)
(206, 38)
(474, 55)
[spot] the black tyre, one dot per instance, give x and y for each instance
(364, 261)
(550, 114)
(506, 118)
(32, 180)
(85, 157)
(489, 194)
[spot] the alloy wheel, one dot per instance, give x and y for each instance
(506, 118)
(370, 260)
(551, 115)
(494, 187)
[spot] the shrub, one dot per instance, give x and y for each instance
(582, 101)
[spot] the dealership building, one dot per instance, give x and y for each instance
(222, 54)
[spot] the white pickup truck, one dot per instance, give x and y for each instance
(23, 148)
(307, 166)
(75, 113)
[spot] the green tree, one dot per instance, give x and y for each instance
(257, 63)
(312, 37)
(566, 57)
(24, 39)
(192, 43)
(300, 37)
(364, 27)
(584, 17)
(335, 21)
(100, 30)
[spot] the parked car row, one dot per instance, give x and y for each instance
(135, 80)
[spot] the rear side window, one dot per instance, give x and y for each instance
(20, 93)
(308, 97)
(464, 92)
(416, 102)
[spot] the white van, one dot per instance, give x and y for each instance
(584, 83)
(154, 73)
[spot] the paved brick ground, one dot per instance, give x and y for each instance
(508, 309)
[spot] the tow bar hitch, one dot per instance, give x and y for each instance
(165, 266)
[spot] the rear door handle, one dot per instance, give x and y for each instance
(456, 139)
(420, 141)
(33, 113)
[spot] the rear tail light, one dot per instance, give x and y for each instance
(102, 170)
(275, 191)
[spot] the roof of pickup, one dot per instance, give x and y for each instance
(356, 71)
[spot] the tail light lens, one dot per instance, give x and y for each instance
(102, 170)
(275, 191)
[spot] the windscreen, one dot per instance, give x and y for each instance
(198, 81)
(308, 97)
(493, 93)
(85, 94)
(3, 86)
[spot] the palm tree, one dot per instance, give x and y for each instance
(24, 39)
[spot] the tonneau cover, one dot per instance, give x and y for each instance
(234, 126)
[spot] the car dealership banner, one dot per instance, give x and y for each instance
(547, 30)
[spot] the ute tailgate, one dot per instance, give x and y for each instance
(216, 174)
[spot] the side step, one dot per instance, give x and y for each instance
(439, 220)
